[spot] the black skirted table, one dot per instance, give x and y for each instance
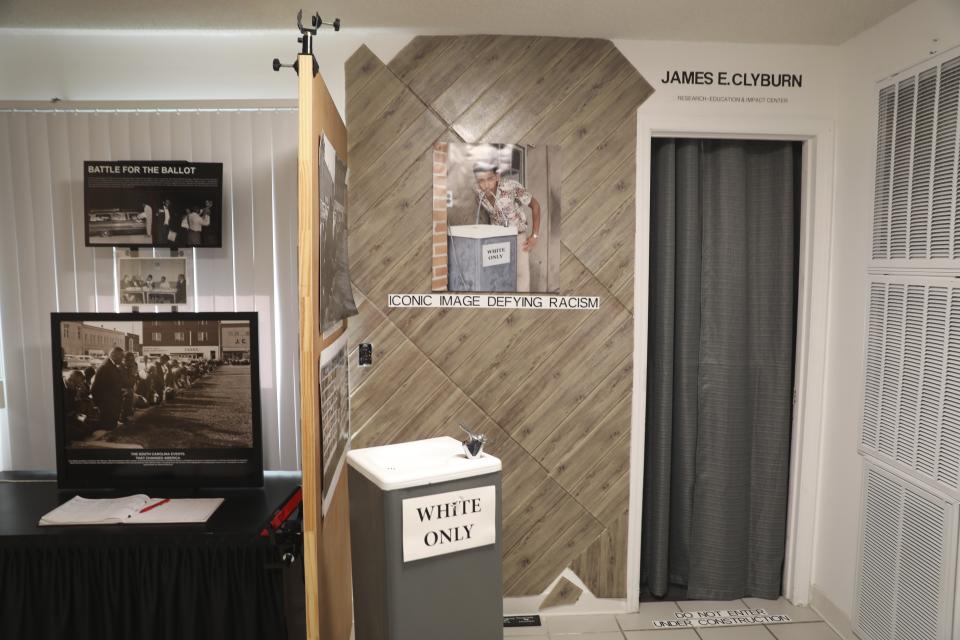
(215, 580)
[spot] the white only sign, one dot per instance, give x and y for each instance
(495, 253)
(444, 523)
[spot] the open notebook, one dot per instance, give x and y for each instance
(138, 509)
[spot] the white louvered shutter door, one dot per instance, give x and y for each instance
(881, 194)
(919, 226)
(911, 406)
(943, 191)
(902, 155)
(907, 561)
(910, 432)
(915, 188)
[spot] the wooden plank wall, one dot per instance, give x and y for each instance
(326, 540)
(551, 389)
(564, 592)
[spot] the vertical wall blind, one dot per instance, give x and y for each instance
(45, 267)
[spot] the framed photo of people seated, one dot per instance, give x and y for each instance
(146, 282)
(156, 400)
(148, 203)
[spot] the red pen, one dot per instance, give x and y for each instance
(155, 505)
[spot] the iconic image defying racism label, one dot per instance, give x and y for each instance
(491, 301)
(444, 523)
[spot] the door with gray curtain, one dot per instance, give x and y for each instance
(723, 289)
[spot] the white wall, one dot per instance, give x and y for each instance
(816, 98)
(172, 65)
(904, 39)
(236, 65)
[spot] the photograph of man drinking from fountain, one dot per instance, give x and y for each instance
(502, 209)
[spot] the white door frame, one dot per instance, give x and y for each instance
(813, 290)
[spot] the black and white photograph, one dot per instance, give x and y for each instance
(153, 203)
(499, 207)
(336, 292)
(334, 415)
(156, 384)
(149, 280)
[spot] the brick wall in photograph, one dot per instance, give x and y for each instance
(439, 261)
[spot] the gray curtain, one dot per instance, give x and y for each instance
(723, 285)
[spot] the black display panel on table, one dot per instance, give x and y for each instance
(146, 203)
(157, 400)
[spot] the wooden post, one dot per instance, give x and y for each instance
(326, 541)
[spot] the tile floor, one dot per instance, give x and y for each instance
(805, 624)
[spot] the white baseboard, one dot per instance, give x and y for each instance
(832, 614)
(587, 604)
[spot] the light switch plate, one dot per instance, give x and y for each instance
(365, 354)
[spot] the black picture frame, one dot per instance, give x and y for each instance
(125, 193)
(242, 467)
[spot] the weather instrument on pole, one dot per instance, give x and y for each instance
(306, 40)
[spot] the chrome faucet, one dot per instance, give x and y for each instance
(473, 445)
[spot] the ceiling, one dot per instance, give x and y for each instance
(770, 21)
